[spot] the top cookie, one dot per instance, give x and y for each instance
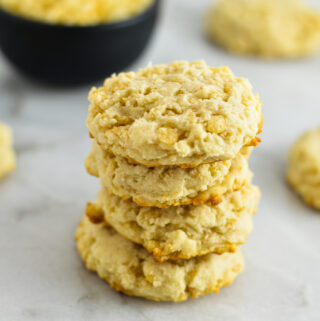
(265, 28)
(304, 167)
(183, 114)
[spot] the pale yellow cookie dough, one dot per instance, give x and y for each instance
(181, 232)
(266, 28)
(7, 155)
(129, 268)
(182, 114)
(304, 167)
(166, 186)
(76, 12)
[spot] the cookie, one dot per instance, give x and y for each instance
(183, 114)
(181, 232)
(269, 29)
(7, 155)
(303, 172)
(129, 268)
(79, 12)
(166, 186)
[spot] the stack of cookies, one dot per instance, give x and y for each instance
(170, 145)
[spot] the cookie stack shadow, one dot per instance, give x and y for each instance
(168, 228)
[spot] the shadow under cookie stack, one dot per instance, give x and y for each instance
(171, 145)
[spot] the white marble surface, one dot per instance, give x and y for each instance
(41, 275)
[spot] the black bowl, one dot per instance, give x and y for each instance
(72, 55)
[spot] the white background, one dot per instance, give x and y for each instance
(41, 275)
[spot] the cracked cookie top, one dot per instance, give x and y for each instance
(181, 113)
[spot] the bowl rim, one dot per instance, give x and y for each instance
(110, 26)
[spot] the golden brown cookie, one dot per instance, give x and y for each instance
(303, 172)
(265, 28)
(181, 232)
(166, 186)
(182, 113)
(129, 268)
(7, 155)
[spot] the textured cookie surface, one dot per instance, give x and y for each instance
(181, 114)
(166, 186)
(75, 12)
(304, 167)
(271, 29)
(181, 232)
(7, 155)
(129, 268)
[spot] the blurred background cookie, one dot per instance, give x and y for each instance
(304, 167)
(7, 155)
(265, 28)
